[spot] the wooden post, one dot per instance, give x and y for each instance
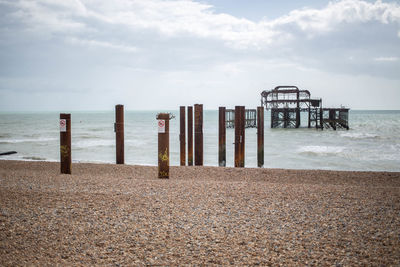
(182, 137)
(119, 134)
(222, 138)
(198, 134)
(163, 145)
(190, 135)
(239, 136)
(65, 143)
(260, 136)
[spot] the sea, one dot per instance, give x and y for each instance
(371, 144)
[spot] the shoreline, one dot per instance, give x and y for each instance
(206, 166)
(108, 214)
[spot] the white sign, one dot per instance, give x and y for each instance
(161, 126)
(63, 125)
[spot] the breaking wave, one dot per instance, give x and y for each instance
(27, 140)
(359, 135)
(321, 150)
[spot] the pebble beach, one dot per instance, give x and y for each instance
(120, 215)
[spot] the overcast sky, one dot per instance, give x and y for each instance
(151, 54)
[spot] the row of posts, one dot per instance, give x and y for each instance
(163, 138)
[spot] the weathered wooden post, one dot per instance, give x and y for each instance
(163, 145)
(222, 138)
(260, 136)
(239, 135)
(190, 135)
(65, 143)
(182, 137)
(119, 134)
(198, 134)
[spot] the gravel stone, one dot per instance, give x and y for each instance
(119, 215)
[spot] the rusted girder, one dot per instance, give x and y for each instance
(260, 136)
(198, 134)
(239, 135)
(65, 143)
(190, 135)
(222, 138)
(182, 137)
(163, 145)
(119, 134)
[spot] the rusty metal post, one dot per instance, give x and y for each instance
(163, 145)
(298, 110)
(332, 119)
(190, 135)
(198, 134)
(260, 136)
(321, 115)
(65, 143)
(222, 138)
(182, 136)
(119, 134)
(239, 135)
(243, 122)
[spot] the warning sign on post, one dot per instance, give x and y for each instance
(161, 126)
(63, 125)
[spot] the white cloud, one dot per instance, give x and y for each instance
(186, 51)
(387, 59)
(184, 17)
(345, 11)
(41, 16)
(95, 43)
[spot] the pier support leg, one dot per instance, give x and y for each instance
(239, 135)
(65, 143)
(222, 138)
(260, 136)
(332, 119)
(163, 145)
(198, 134)
(119, 134)
(182, 137)
(190, 135)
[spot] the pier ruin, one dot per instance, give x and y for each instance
(286, 104)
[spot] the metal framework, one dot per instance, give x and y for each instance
(250, 118)
(335, 118)
(288, 102)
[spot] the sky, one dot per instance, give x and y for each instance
(66, 55)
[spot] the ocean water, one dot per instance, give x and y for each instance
(372, 143)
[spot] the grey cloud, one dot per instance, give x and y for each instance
(131, 46)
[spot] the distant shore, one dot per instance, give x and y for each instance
(124, 214)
